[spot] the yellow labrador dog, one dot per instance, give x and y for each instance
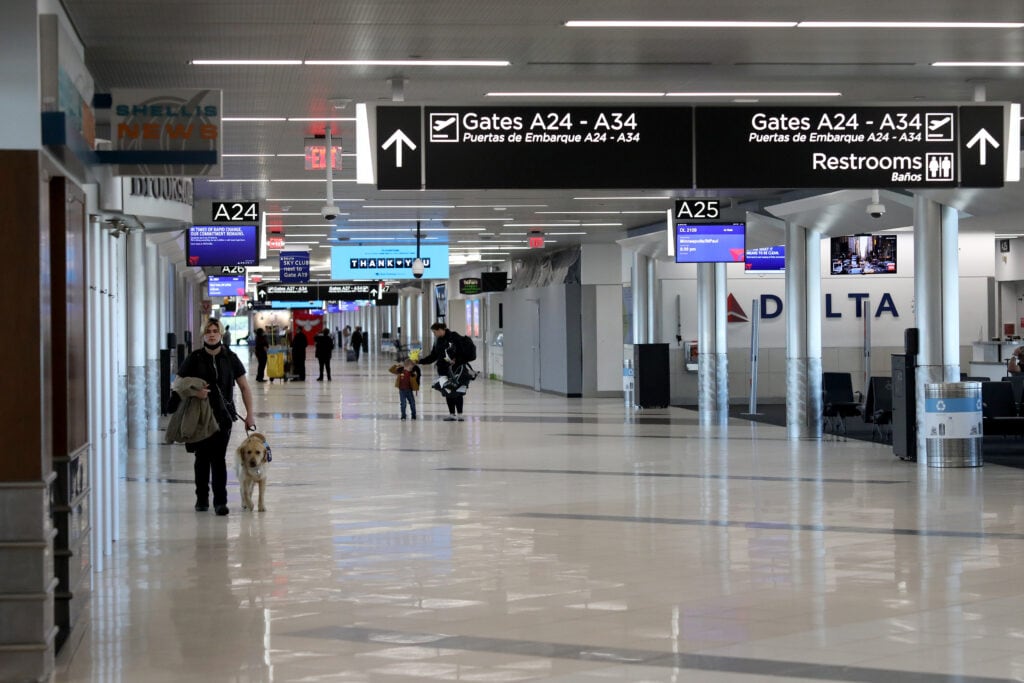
(252, 459)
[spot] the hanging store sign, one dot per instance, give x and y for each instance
(166, 132)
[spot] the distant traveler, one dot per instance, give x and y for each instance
(357, 341)
(262, 345)
(324, 347)
(227, 336)
(1015, 364)
(299, 344)
(220, 368)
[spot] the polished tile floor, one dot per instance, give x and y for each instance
(556, 539)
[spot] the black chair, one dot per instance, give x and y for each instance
(838, 402)
(999, 410)
(878, 407)
(1017, 382)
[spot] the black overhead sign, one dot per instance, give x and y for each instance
(982, 147)
(819, 147)
(624, 147)
(399, 148)
(557, 147)
(324, 291)
(699, 209)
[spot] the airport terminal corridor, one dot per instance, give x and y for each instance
(556, 539)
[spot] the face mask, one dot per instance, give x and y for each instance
(211, 347)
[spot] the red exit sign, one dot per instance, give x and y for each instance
(536, 240)
(275, 243)
(316, 157)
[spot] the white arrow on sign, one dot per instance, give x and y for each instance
(398, 139)
(983, 138)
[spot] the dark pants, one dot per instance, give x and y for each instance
(355, 350)
(454, 403)
(325, 364)
(299, 364)
(407, 396)
(211, 455)
(261, 368)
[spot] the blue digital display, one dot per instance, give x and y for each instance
(766, 259)
(393, 262)
(222, 245)
(710, 242)
(231, 285)
(298, 304)
(294, 266)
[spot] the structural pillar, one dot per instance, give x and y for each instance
(803, 333)
(936, 300)
(640, 296)
(712, 358)
(136, 340)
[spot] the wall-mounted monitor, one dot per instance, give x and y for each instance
(710, 242)
(387, 262)
(222, 245)
(863, 255)
(765, 260)
(494, 282)
(226, 285)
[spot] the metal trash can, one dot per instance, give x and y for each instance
(952, 424)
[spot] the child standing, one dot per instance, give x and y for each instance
(407, 384)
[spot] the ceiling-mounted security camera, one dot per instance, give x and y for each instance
(329, 212)
(876, 209)
(417, 268)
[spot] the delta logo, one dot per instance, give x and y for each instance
(736, 312)
(771, 307)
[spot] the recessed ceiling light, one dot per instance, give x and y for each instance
(246, 62)
(629, 23)
(575, 94)
(910, 24)
(407, 62)
(754, 94)
(980, 64)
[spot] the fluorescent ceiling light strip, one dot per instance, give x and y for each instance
(306, 225)
(302, 235)
(290, 242)
(246, 62)
(247, 155)
(412, 230)
(910, 24)
(595, 212)
(979, 64)
(500, 206)
(574, 94)
(288, 213)
(562, 225)
(754, 94)
(310, 180)
(490, 241)
(293, 155)
(571, 233)
(630, 23)
(410, 206)
(252, 118)
(313, 199)
(236, 180)
(425, 220)
(407, 62)
(661, 199)
(321, 118)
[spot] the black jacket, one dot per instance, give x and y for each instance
(445, 347)
(324, 346)
(357, 340)
(299, 344)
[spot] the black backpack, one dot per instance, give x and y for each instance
(465, 349)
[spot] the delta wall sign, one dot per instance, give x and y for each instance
(771, 307)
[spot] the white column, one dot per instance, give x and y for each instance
(812, 316)
(796, 332)
(720, 315)
(136, 340)
(653, 297)
(639, 287)
(154, 292)
(94, 352)
(117, 357)
(936, 300)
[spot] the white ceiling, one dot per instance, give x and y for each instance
(148, 44)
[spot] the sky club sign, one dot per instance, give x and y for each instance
(772, 307)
